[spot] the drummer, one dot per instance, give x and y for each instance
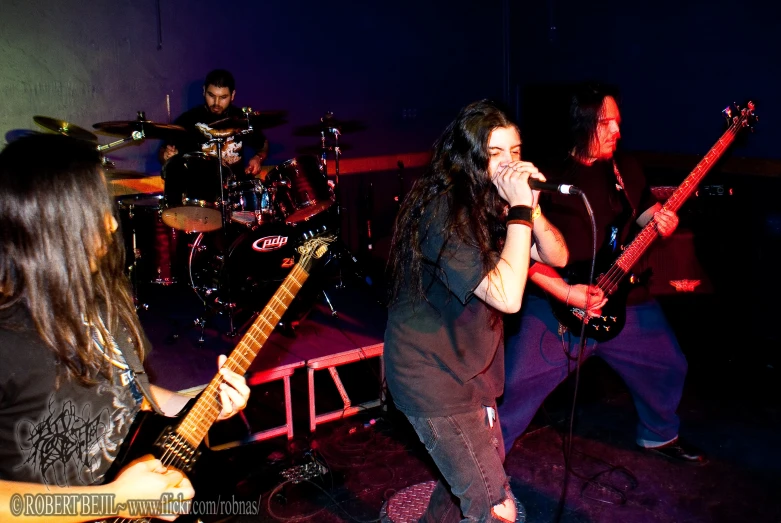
(219, 90)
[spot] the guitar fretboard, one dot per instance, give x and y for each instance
(643, 240)
(198, 421)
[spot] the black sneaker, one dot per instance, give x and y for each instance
(679, 450)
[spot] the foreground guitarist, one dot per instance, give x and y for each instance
(71, 346)
(645, 354)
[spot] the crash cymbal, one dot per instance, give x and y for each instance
(150, 129)
(120, 174)
(256, 119)
(66, 128)
(317, 150)
(344, 126)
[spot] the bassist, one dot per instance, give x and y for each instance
(645, 353)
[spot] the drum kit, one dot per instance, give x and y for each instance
(240, 234)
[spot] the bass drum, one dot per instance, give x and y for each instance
(240, 270)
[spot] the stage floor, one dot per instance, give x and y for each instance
(730, 409)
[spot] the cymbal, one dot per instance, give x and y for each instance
(161, 131)
(66, 128)
(257, 119)
(344, 126)
(119, 174)
(317, 150)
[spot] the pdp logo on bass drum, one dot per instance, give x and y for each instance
(269, 243)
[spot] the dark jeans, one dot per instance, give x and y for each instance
(470, 455)
(645, 354)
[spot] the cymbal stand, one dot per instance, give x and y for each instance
(340, 249)
(218, 138)
(134, 136)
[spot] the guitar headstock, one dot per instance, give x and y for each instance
(741, 116)
(314, 248)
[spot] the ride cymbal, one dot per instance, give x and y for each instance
(66, 128)
(254, 119)
(325, 124)
(150, 129)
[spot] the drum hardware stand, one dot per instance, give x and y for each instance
(134, 136)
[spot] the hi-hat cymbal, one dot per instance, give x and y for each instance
(344, 126)
(149, 128)
(66, 128)
(256, 119)
(317, 150)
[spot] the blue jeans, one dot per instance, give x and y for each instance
(469, 455)
(645, 354)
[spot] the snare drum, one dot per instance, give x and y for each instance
(251, 203)
(150, 244)
(192, 192)
(302, 189)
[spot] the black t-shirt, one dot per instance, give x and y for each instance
(67, 435)
(233, 148)
(615, 210)
(442, 356)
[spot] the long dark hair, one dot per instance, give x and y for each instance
(458, 172)
(585, 106)
(59, 258)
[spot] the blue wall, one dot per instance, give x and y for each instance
(91, 61)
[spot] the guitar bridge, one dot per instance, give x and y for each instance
(176, 451)
(579, 314)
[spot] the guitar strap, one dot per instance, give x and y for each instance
(620, 186)
(140, 377)
(134, 373)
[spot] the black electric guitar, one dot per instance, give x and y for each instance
(178, 445)
(614, 282)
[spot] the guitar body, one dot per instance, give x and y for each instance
(600, 328)
(148, 435)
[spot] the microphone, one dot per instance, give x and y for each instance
(537, 185)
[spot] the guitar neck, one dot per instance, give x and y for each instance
(199, 419)
(643, 240)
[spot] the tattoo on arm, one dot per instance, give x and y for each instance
(557, 236)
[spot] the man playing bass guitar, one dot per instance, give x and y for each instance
(645, 352)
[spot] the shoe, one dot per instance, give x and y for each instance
(679, 450)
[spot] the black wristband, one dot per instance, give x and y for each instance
(520, 214)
